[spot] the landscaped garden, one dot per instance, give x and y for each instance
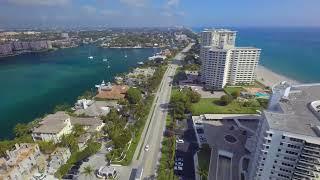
(214, 106)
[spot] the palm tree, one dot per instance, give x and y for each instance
(203, 173)
(88, 171)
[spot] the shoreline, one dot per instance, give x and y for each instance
(269, 78)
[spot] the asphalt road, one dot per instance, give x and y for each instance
(154, 134)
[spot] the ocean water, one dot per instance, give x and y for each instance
(292, 52)
(33, 84)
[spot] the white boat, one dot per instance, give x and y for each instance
(140, 63)
(105, 60)
(90, 57)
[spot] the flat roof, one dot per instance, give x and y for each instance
(294, 113)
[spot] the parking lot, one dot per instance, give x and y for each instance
(186, 151)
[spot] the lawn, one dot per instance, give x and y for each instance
(230, 90)
(211, 106)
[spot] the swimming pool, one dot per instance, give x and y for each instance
(262, 95)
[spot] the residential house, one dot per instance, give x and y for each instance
(53, 127)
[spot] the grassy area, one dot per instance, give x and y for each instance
(166, 167)
(136, 138)
(204, 163)
(211, 106)
(230, 90)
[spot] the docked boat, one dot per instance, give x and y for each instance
(105, 60)
(140, 63)
(90, 57)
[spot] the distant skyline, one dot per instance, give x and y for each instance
(136, 13)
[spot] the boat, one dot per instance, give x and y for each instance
(90, 57)
(125, 55)
(105, 60)
(140, 63)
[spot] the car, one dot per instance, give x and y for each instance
(179, 159)
(179, 141)
(109, 149)
(178, 163)
(85, 159)
(39, 176)
(178, 168)
(146, 148)
(68, 176)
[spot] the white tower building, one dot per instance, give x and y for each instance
(223, 63)
(288, 139)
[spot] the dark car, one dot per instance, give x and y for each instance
(69, 176)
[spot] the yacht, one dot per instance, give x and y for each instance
(90, 57)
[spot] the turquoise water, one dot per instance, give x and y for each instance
(33, 84)
(293, 52)
(262, 95)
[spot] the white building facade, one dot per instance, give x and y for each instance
(53, 127)
(288, 139)
(223, 63)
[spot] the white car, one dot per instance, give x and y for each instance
(178, 163)
(179, 168)
(179, 141)
(146, 148)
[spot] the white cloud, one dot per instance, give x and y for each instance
(173, 2)
(89, 9)
(107, 12)
(39, 2)
(136, 3)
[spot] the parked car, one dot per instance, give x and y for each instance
(179, 140)
(146, 148)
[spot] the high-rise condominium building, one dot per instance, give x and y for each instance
(223, 63)
(288, 139)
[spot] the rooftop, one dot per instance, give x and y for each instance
(219, 30)
(294, 113)
(52, 123)
(116, 92)
(91, 123)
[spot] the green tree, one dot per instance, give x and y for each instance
(235, 94)
(203, 173)
(88, 171)
(46, 147)
(21, 129)
(78, 130)
(194, 96)
(225, 100)
(134, 95)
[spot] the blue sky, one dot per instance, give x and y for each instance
(134, 13)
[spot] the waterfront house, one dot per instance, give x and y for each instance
(57, 159)
(111, 92)
(90, 125)
(53, 127)
(21, 162)
(92, 109)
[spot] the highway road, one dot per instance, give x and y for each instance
(152, 135)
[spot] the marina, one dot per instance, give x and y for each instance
(56, 77)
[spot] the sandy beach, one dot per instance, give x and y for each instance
(269, 78)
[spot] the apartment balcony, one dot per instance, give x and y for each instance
(311, 147)
(310, 154)
(316, 150)
(306, 167)
(310, 159)
(297, 176)
(305, 173)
